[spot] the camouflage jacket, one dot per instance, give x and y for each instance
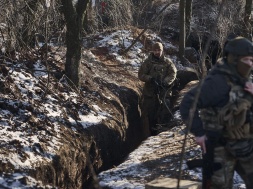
(161, 69)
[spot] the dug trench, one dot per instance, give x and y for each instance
(86, 151)
(113, 140)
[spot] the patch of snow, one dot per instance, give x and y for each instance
(21, 181)
(27, 84)
(40, 69)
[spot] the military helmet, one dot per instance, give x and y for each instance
(239, 46)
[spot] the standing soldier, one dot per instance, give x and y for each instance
(158, 73)
(223, 121)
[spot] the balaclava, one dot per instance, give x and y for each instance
(243, 69)
(234, 50)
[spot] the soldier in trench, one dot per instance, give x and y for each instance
(223, 121)
(158, 73)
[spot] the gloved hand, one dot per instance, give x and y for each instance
(153, 81)
(159, 82)
(165, 84)
(155, 84)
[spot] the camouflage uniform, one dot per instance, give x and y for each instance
(163, 71)
(233, 124)
(226, 119)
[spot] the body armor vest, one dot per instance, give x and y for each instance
(234, 120)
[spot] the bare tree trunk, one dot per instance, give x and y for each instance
(182, 29)
(88, 21)
(27, 30)
(154, 19)
(11, 20)
(188, 16)
(74, 16)
(247, 26)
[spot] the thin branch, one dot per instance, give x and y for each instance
(46, 31)
(145, 29)
(194, 106)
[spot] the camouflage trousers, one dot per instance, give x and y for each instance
(149, 108)
(223, 178)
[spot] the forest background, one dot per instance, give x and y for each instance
(58, 34)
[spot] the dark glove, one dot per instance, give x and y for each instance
(159, 83)
(156, 82)
(165, 84)
(153, 81)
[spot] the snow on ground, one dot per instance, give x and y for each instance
(132, 173)
(29, 87)
(135, 171)
(121, 177)
(20, 181)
